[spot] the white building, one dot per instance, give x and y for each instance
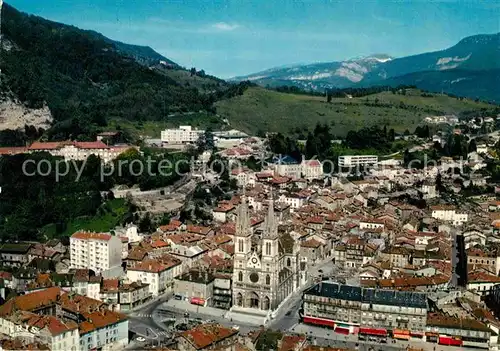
(158, 274)
(357, 160)
(181, 135)
(131, 233)
(97, 251)
(309, 169)
(449, 214)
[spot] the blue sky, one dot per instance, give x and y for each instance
(237, 37)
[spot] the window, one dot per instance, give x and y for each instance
(288, 262)
(240, 276)
(240, 245)
(268, 249)
(268, 279)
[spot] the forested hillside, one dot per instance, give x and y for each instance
(86, 79)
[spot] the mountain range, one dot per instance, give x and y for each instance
(469, 68)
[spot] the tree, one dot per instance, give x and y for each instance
(472, 146)
(145, 224)
(392, 136)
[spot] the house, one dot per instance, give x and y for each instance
(206, 337)
(220, 213)
(102, 328)
(159, 274)
(196, 286)
(15, 255)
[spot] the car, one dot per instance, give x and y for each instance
(236, 327)
(288, 313)
(141, 339)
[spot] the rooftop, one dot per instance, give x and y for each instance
(206, 335)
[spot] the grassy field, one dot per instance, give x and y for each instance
(266, 110)
(152, 129)
(100, 223)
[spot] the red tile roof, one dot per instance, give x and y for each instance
(13, 150)
(99, 320)
(206, 335)
(31, 302)
(91, 236)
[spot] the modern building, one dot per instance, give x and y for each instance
(357, 160)
(181, 135)
(97, 251)
(376, 312)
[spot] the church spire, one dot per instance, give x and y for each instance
(270, 225)
(243, 219)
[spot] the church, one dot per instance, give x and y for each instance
(266, 265)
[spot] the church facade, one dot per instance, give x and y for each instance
(266, 266)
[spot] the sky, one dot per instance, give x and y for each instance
(239, 37)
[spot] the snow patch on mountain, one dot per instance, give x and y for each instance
(256, 77)
(456, 59)
(316, 75)
(352, 71)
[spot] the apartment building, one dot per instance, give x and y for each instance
(159, 274)
(97, 251)
(104, 328)
(357, 160)
(181, 135)
(376, 312)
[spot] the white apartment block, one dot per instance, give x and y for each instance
(97, 251)
(357, 160)
(181, 135)
(449, 214)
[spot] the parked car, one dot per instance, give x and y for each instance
(141, 339)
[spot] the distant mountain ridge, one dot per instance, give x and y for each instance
(469, 55)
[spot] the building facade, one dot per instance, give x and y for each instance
(181, 135)
(349, 307)
(266, 267)
(97, 251)
(357, 160)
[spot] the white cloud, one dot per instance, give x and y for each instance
(225, 26)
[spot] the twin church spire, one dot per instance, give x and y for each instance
(243, 219)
